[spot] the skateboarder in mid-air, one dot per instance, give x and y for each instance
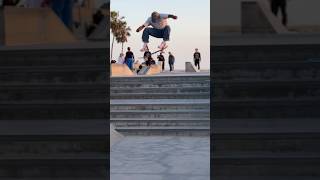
(160, 29)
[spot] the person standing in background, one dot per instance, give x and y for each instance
(282, 5)
(161, 59)
(171, 61)
(197, 58)
(129, 59)
(121, 58)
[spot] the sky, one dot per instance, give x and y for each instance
(191, 30)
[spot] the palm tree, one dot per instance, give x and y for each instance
(115, 26)
(124, 33)
(119, 29)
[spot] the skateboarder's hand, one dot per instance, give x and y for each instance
(140, 28)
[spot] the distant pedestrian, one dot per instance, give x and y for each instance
(129, 59)
(161, 59)
(282, 5)
(171, 61)
(197, 58)
(121, 58)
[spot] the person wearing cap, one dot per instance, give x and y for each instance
(159, 29)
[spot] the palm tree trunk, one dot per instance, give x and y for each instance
(112, 47)
(122, 48)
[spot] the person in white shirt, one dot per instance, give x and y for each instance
(160, 29)
(121, 58)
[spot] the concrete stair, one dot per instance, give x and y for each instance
(161, 105)
(265, 112)
(54, 111)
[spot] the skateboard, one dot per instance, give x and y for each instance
(160, 50)
(152, 53)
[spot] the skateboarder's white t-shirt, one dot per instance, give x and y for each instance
(159, 24)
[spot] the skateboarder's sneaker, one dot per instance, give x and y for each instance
(144, 48)
(163, 45)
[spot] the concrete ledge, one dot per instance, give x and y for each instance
(190, 67)
(154, 69)
(265, 39)
(256, 17)
(43, 26)
(114, 136)
(120, 70)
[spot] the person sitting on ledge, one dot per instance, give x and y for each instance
(140, 67)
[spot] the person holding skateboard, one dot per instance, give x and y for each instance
(160, 29)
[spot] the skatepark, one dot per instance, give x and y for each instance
(162, 116)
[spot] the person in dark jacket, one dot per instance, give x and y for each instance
(161, 59)
(171, 61)
(129, 59)
(282, 5)
(197, 58)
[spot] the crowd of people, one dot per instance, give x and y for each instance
(129, 59)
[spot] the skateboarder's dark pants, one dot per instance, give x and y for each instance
(282, 5)
(158, 33)
(197, 63)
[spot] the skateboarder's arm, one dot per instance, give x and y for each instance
(146, 24)
(140, 28)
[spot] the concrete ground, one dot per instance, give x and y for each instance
(160, 158)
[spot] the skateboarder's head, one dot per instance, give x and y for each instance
(129, 48)
(155, 16)
(196, 49)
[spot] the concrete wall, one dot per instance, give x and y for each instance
(34, 26)
(120, 70)
(154, 69)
